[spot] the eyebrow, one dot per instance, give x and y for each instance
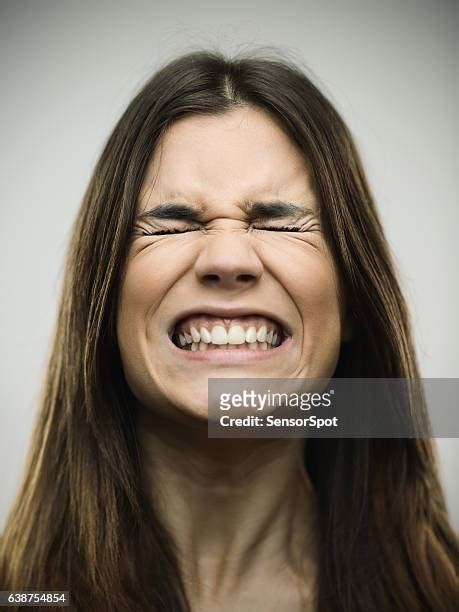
(255, 211)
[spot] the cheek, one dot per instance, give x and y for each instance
(139, 295)
(313, 286)
(132, 306)
(147, 278)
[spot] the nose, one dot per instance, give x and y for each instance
(228, 261)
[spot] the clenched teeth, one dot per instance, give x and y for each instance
(250, 336)
(203, 346)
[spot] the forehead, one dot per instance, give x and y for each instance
(231, 158)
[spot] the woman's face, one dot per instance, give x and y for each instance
(227, 291)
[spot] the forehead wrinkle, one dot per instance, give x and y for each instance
(271, 191)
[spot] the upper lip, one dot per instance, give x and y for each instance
(230, 312)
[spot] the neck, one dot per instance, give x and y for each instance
(237, 509)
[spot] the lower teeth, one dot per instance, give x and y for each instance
(257, 346)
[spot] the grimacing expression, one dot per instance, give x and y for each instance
(222, 284)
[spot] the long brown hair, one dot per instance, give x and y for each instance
(81, 521)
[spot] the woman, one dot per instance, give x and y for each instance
(229, 208)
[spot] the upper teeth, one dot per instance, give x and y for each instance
(234, 335)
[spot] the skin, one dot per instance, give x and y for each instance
(242, 512)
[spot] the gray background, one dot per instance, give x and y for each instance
(68, 69)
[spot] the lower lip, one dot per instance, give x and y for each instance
(234, 356)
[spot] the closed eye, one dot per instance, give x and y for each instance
(163, 232)
(145, 232)
(276, 228)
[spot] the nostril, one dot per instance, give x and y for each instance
(216, 278)
(213, 278)
(245, 277)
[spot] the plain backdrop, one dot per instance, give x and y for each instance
(68, 69)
